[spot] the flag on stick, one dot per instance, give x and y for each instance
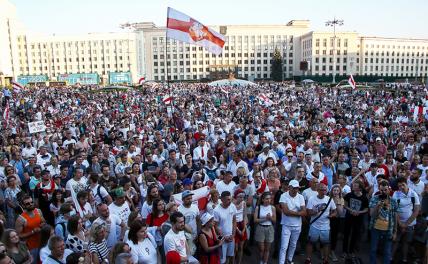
(16, 87)
(352, 82)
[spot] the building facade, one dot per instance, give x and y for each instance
(365, 56)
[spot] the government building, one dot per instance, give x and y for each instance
(142, 50)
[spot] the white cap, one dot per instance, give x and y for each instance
(294, 184)
(206, 218)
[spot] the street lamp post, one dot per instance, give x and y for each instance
(333, 23)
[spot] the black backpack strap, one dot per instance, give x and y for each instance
(316, 218)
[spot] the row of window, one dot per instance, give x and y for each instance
(93, 43)
(226, 55)
(397, 68)
(187, 63)
(387, 60)
(393, 46)
(234, 38)
(338, 42)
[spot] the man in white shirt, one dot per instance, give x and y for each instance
(201, 152)
(43, 158)
(190, 212)
(99, 193)
(226, 184)
(120, 206)
(237, 162)
(175, 240)
(408, 209)
(415, 183)
(225, 218)
(29, 150)
(267, 153)
(293, 208)
(321, 208)
(112, 222)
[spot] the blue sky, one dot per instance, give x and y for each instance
(368, 17)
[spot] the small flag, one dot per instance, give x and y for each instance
(352, 82)
(141, 81)
(6, 115)
(186, 29)
(167, 99)
(224, 90)
(16, 87)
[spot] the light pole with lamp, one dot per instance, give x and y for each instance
(333, 23)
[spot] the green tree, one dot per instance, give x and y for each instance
(276, 66)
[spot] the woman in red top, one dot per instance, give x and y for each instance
(158, 215)
(209, 243)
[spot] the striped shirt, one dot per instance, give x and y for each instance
(100, 249)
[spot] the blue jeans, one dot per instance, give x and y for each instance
(376, 236)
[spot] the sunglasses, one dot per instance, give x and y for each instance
(29, 203)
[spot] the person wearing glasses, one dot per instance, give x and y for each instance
(28, 225)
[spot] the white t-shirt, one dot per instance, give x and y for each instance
(317, 204)
(190, 215)
(294, 204)
(224, 217)
(146, 209)
(222, 186)
(417, 187)
(424, 173)
(103, 193)
(77, 186)
(122, 211)
(405, 204)
(308, 193)
(114, 225)
(175, 242)
(145, 251)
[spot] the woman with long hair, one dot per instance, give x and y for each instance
(264, 218)
(56, 201)
(269, 165)
(152, 194)
(119, 248)
(209, 242)
(98, 246)
(336, 223)
(213, 201)
(16, 249)
(143, 244)
(76, 239)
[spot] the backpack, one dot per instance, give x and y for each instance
(64, 230)
(411, 198)
(354, 260)
(99, 193)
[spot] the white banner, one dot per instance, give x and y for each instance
(35, 127)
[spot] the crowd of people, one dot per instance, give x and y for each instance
(126, 177)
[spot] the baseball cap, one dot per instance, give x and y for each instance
(378, 139)
(294, 184)
(266, 145)
(187, 181)
(186, 193)
(238, 192)
(206, 218)
(118, 192)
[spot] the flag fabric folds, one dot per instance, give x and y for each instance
(186, 29)
(6, 115)
(352, 82)
(16, 87)
(141, 81)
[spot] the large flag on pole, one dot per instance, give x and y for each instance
(16, 87)
(352, 82)
(186, 29)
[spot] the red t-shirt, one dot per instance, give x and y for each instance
(156, 221)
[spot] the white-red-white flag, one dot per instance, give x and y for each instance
(265, 100)
(419, 113)
(167, 99)
(6, 115)
(141, 81)
(186, 29)
(352, 82)
(16, 87)
(200, 197)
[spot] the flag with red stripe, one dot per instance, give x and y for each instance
(352, 82)
(141, 81)
(200, 197)
(167, 99)
(16, 87)
(186, 29)
(6, 115)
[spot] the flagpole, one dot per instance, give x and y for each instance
(166, 65)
